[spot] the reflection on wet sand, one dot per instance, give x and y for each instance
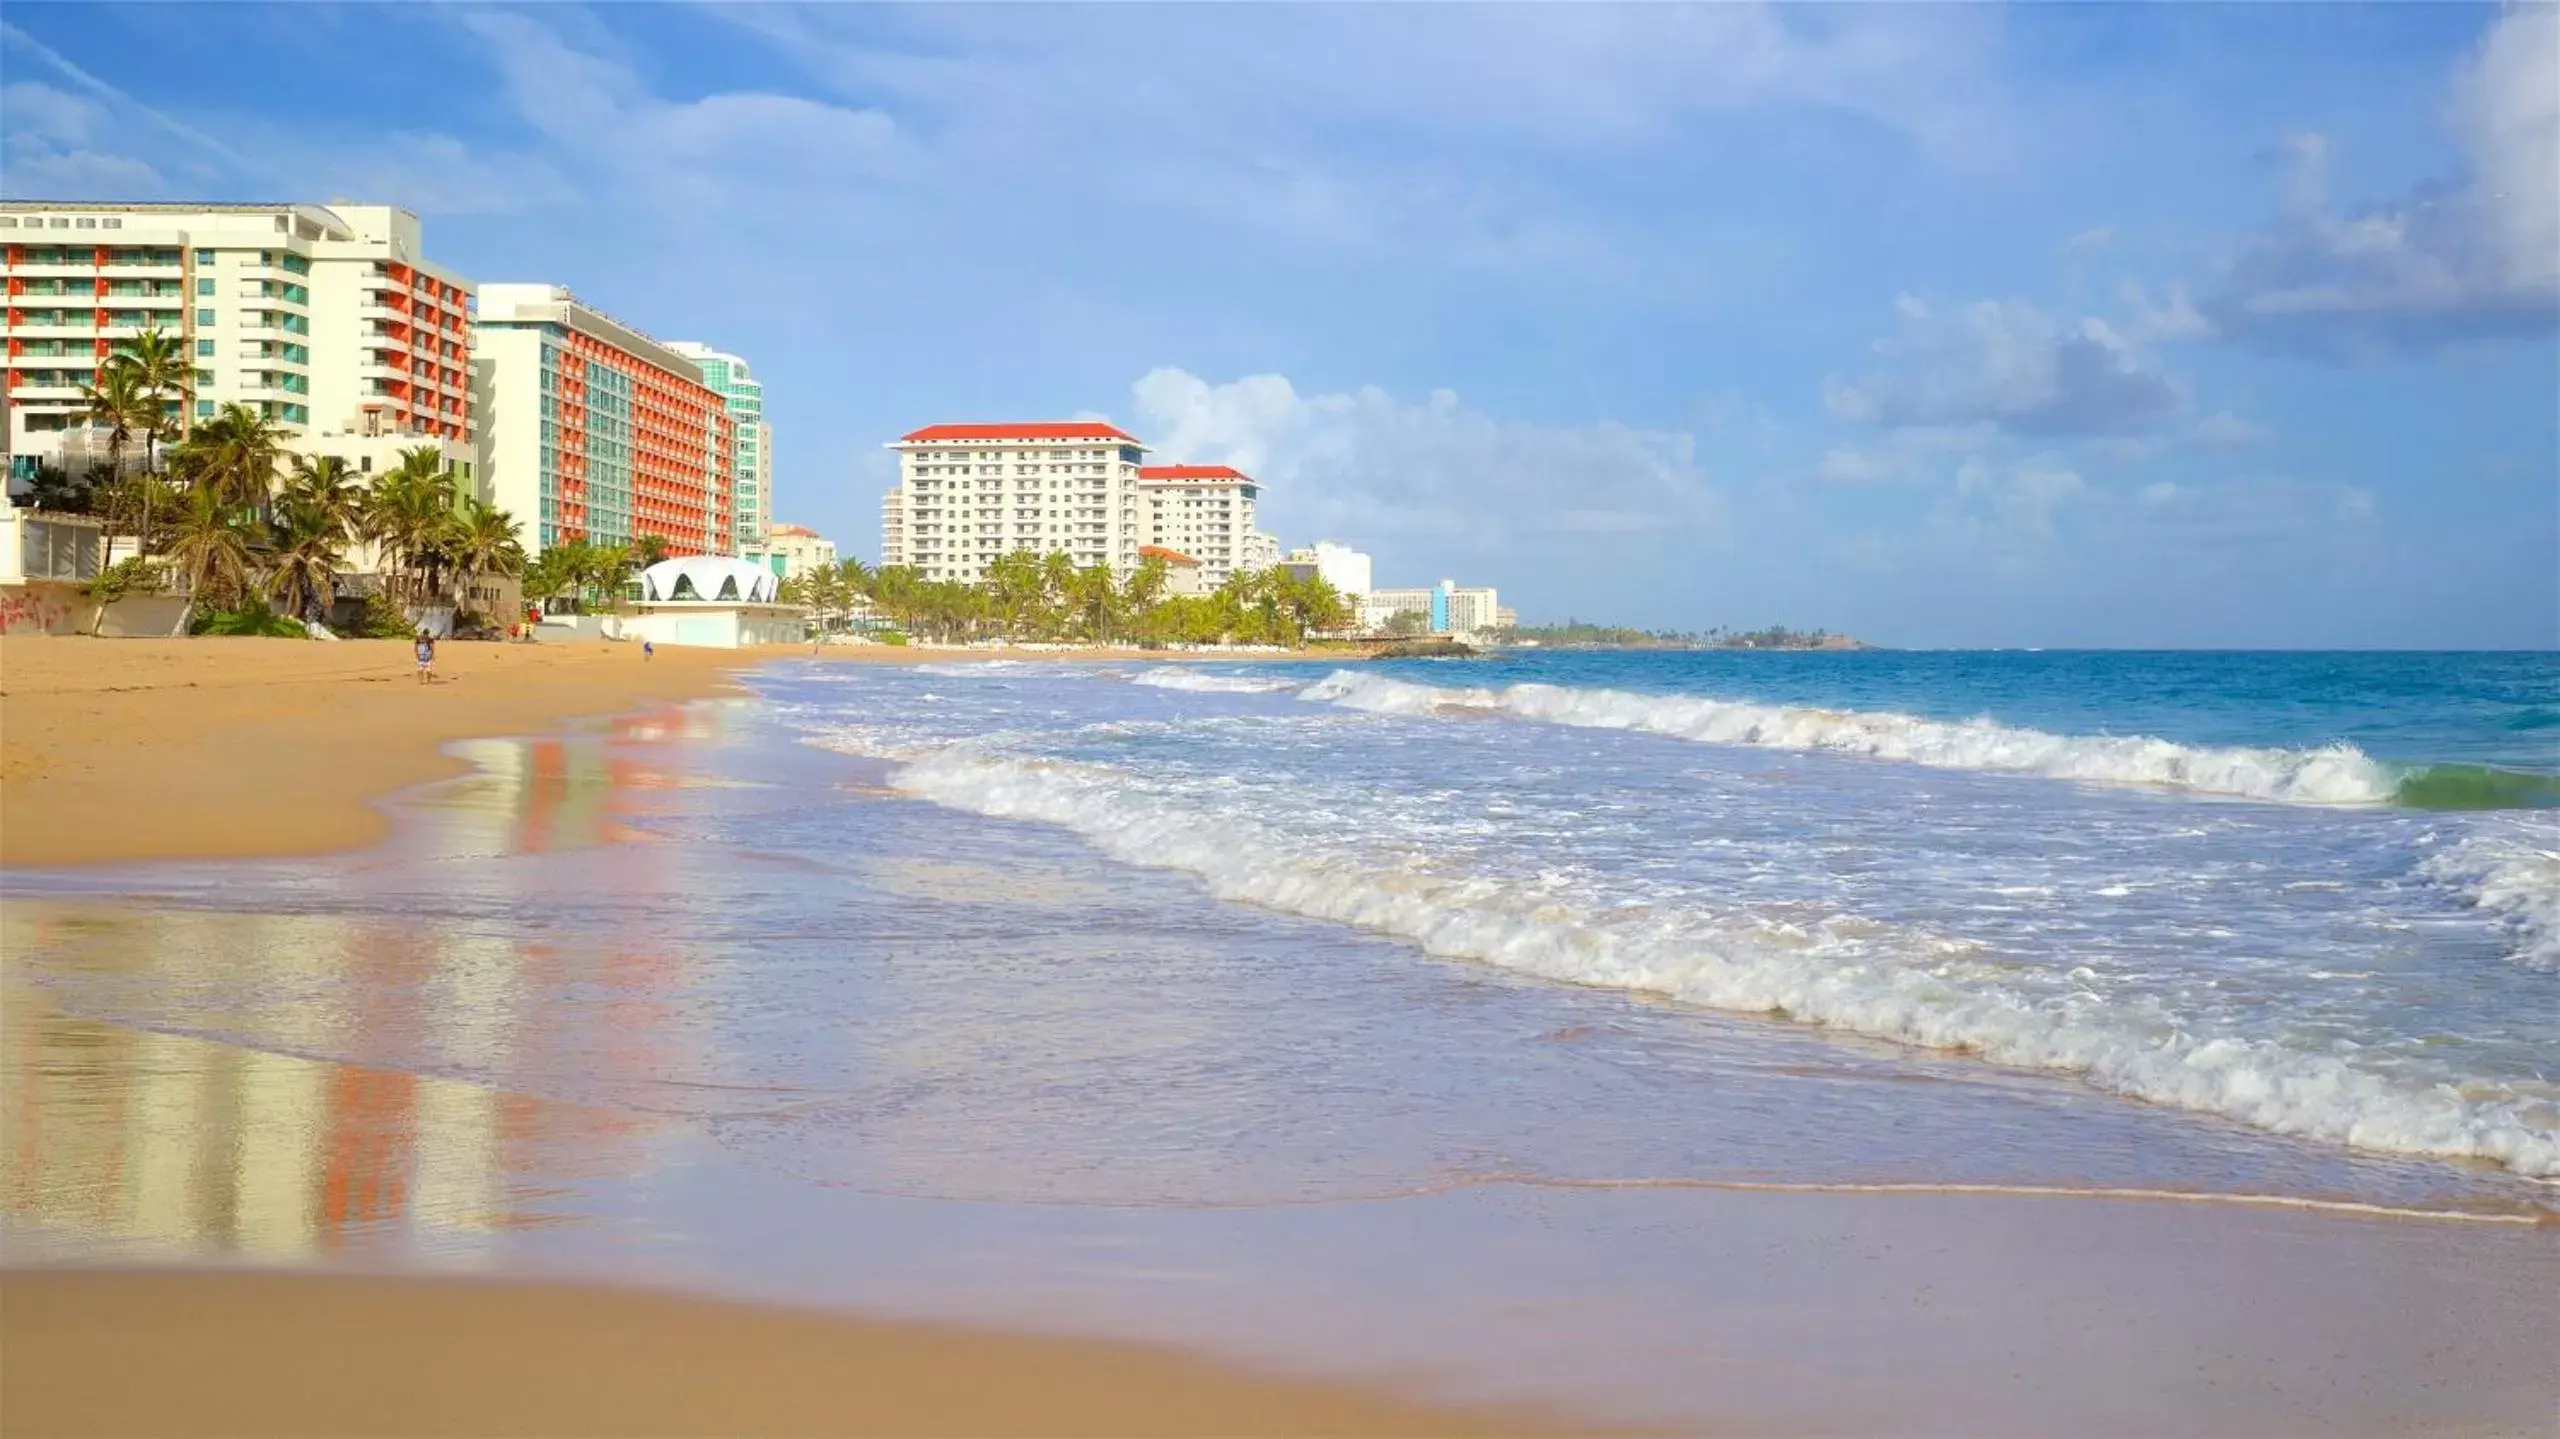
(124, 1140)
(368, 1075)
(537, 796)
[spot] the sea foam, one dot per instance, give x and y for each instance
(2510, 869)
(1842, 972)
(1178, 677)
(2331, 774)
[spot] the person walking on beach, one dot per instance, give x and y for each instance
(648, 649)
(426, 651)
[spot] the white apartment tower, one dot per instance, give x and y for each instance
(1204, 511)
(323, 318)
(969, 493)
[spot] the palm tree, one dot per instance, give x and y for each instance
(608, 568)
(649, 550)
(1146, 584)
(209, 548)
(165, 375)
(823, 589)
(303, 572)
(328, 488)
(410, 516)
(116, 403)
(1096, 603)
(554, 572)
(484, 543)
(235, 455)
(53, 488)
(1058, 581)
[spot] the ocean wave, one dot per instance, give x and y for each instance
(2512, 871)
(2331, 774)
(1178, 677)
(1842, 972)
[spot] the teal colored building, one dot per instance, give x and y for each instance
(729, 375)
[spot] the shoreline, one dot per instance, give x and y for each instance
(132, 751)
(140, 751)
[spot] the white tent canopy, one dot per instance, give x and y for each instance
(710, 578)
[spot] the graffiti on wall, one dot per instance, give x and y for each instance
(27, 612)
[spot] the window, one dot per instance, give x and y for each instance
(204, 377)
(204, 409)
(204, 349)
(114, 224)
(204, 317)
(204, 257)
(88, 224)
(205, 286)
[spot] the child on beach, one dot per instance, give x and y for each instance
(426, 657)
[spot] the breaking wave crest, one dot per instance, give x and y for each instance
(1176, 677)
(2513, 872)
(1841, 971)
(2332, 774)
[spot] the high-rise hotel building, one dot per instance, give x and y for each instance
(729, 375)
(323, 318)
(1204, 511)
(967, 494)
(592, 430)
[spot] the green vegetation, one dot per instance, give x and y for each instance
(217, 510)
(250, 619)
(1048, 598)
(582, 576)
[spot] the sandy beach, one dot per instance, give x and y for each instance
(501, 1029)
(138, 750)
(128, 750)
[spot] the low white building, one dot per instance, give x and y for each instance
(791, 551)
(1340, 566)
(1446, 608)
(712, 602)
(1182, 573)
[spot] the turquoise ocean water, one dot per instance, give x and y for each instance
(2315, 895)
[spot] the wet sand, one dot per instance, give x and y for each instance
(211, 1353)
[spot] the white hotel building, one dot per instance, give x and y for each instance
(326, 319)
(967, 494)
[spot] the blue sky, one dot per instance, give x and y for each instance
(2177, 325)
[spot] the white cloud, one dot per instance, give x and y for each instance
(1365, 466)
(667, 153)
(49, 149)
(2476, 257)
(2008, 364)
